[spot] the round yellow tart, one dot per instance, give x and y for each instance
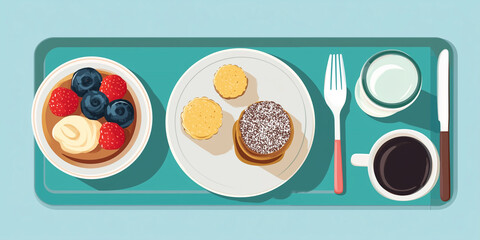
(201, 118)
(230, 81)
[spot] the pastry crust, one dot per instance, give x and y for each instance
(244, 157)
(249, 156)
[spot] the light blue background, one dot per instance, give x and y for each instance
(24, 24)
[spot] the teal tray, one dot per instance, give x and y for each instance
(156, 179)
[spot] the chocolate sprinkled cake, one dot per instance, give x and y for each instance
(265, 127)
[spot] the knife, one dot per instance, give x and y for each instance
(443, 76)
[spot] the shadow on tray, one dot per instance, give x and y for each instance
(419, 114)
(151, 158)
(315, 167)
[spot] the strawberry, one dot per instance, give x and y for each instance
(111, 136)
(63, 101)
(114, 87)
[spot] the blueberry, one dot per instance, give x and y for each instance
(86, 79)
(94, 104)
(120, 111)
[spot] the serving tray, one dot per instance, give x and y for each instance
(156, 179)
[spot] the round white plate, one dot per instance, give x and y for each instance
(212, 163)
(134, 85)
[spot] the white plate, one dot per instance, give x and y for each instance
(212, 163)
(144, 129)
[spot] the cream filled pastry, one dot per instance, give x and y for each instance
(77, 134)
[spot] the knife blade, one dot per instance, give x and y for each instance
(443, 77)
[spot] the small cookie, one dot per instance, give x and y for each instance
(230, 81)
(201, 118)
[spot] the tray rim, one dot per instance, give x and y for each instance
(436, 44)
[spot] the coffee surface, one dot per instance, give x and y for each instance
(402, 165)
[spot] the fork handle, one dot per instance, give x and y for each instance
(338, 171)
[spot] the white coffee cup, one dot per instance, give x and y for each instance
(367, 160)
(389, 82)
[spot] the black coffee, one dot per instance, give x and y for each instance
(402, 165)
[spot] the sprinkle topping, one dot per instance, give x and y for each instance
(265, 127)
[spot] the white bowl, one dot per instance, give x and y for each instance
(144, 110)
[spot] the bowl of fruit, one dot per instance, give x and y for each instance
(91, 117)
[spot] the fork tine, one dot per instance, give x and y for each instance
(338, 76)
(328, 73)
(334, 75)
(342, 66)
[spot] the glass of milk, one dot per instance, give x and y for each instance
(390, 81)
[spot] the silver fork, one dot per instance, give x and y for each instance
(335, 92)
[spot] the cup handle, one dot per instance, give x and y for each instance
(360, 160)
